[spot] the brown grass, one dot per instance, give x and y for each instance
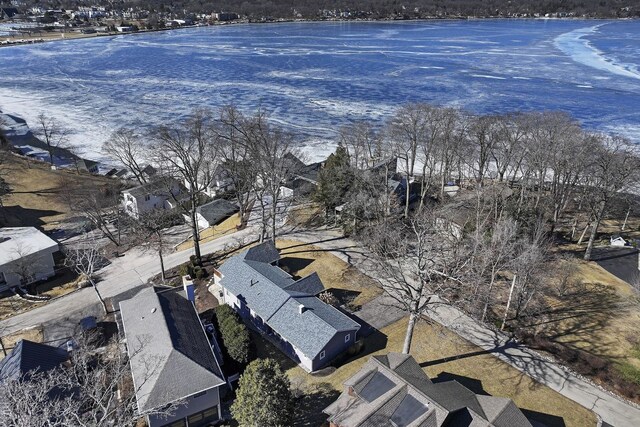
(430, 344)
(37, 197)
(334, 273)
(227, 226)
(32, 334)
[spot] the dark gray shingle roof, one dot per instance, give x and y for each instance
(217, 210)
(28, 357)
(170, 355)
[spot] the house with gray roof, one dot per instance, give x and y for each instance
(393, 390)
(171, 358)
(28, 357)
(286, 310)
(213, 213)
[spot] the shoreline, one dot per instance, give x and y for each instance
(47, 37)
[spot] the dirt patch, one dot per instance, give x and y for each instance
(34, 334)
(228, 226)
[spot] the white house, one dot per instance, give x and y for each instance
(160, 194)
(26, 256)
(171, 358)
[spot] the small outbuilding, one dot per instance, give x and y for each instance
(26, 256)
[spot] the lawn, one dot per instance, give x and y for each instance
(344, 280)
(432, 343)
(36, 197)
(227, 226)
(594, 328)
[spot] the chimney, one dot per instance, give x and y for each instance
(301, 308)
(189, 288)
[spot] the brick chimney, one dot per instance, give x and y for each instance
(189, 288)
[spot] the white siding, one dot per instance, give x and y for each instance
(40, 264)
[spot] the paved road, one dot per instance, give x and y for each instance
(132, 270)
(613, 410)
(135, 268)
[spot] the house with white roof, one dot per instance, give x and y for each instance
(171, 357)
(159, 194)
(287, 311)
(26, 256)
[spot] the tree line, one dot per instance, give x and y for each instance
(377, 9)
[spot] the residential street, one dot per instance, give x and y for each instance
(135, 268)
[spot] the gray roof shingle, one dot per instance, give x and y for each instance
(28, 357)
(170, 355)
(217, 210)
(276, 297)
(419, 401)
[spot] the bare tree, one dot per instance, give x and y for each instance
(92, 389)
(235, 155)
(100, 204)
(416, 266)
(86, 259)
(53, 133)
(148, 231)
(615, 168)
(126, 147)
(188, 152)
(269, 148)
(363, 144)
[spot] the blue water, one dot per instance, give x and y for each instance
(314, 77)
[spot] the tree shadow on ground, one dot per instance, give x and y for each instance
(309, 406)
(538, 419)
(583, 312)
(497, 349)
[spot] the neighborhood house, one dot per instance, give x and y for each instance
(286, 310)
(213, 213)
(28, 357)
(171, 357)
(26, 256)
(155, 195)
(393, 390)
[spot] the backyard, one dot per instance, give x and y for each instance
(432, 346)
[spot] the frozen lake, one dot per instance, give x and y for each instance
(314, 77)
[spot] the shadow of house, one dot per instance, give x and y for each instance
(293, 265)
(622, 262)
(17, 216)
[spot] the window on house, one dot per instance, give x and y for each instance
(147, 198)
(203, 418)
(347, 337)
(322, 354)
